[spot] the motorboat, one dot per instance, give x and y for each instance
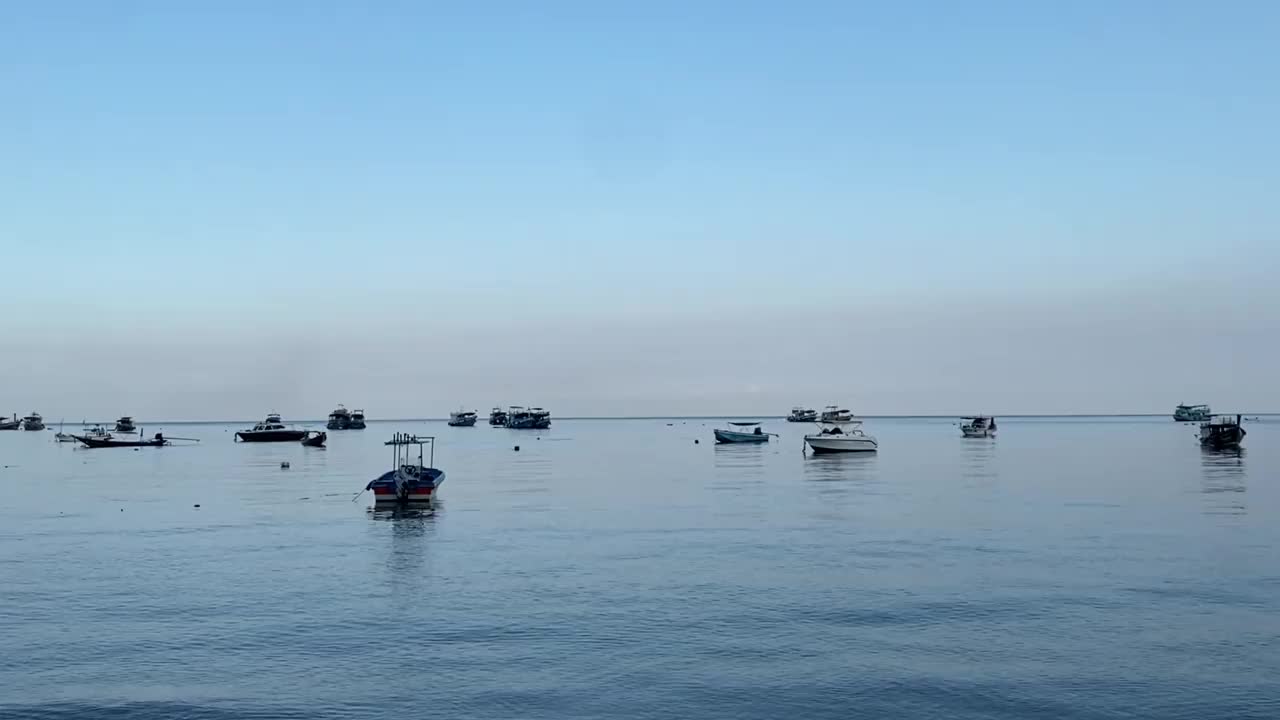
(534, 418)
(315, 438)
(498, 417)
(978, 427)
(800, 414)
(742, 432)
(125, 425)
(1221, 432)
(409, 480)
(272, 429)
(841, 437)
(462, 418)
(33, 422)
(339, 419)
(14, 424)
(834, 414)
(1192, 413)
(109, 442)
(357, 420)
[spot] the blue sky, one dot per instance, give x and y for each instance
(227, 179)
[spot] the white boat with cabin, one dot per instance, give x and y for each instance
(841, 437)
(835, 414)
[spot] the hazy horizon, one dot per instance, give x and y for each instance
(212, 211)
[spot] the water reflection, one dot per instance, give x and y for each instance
(739, 462)
(841, 467)
(1223, 481)
(978, 458)
(410, 529)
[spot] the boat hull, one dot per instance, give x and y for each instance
(1228, 439)
(462, 422)
(842, 445)
(729, 436)
(529, 424)
(106, 443)
(972, 432)
(315, 440)
(271, 435)
(10, 425)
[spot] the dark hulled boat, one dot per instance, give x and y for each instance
(315, 439)
(1222, 433)
(13, 424)
(498, 417)
(109, 442)
(271, 430)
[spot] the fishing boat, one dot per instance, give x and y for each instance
(742, 432)
(801, 414)
(978, 426)
(272, 429)
(1192, 413)
(33, 422)
(110, 442)
(13, 424)
(125, 425)
(315, 438)
(357, 420)
(534, 418)
(834, 414)
(408, 480)
(339, 419)
(462, 418)
(1221, 432)
(498, 417)
(63, 437)
(841, 437)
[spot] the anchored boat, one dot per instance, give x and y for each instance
(462, 418)
(13, 424)
(979, 427)
(534, 418)
(314, 438)
(839, 437)
(801, 414)
(1222, 433)
(834, 414)
(125, 425)
(742, 432)
(272, 429)
(409, 480)
(339, 419)
(33, 422)
(357, 420)
(1192, 413)
(498, 417)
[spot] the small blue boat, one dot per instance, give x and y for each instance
(741, 433)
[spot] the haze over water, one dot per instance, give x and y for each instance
(1071, 568)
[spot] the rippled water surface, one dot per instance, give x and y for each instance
(1072, 568)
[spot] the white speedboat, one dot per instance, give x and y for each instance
(835, 414)
(978, 427)
(838, 437)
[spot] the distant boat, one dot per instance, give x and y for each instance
(33, 422)
(271, 430)
(339, 419)
(357, 420)
(534, 418)
(498, 417)
(979, 427)
(13, 424)
(841, 437)
(1192, 413)
(1222, 433)
(742, 432)
(833, 414)
(800, 414)
(125, 425)
(314, 439)
(408, 481)
(462, 418)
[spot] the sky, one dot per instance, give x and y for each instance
(209, 210)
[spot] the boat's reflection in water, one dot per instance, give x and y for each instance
(406, 513)
(842, 467)
(1223, 481)
(979, 459)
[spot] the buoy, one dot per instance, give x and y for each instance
(516, 448)
(196, 505)
(695, 442)
(284, 465)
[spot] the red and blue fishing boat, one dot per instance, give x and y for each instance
(408, 480)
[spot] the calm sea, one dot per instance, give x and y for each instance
(1072, 568)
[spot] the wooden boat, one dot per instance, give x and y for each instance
(1222, 433)
(498, 417)
(741, 434)
(13, 424)
(109, 442)
(125, 425)
(840, 437)
(979, 427)
(315, 439)
(835, 414)
(271, 430)
(408, 481)
(802, 414)
(1192, 413)
(33, 422)
(357, 420)
(462, 418)
(339, 419)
